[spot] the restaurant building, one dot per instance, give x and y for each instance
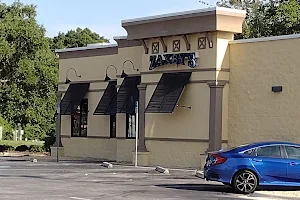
(197, 90)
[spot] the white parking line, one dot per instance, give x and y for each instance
(260, 198)
(78, 198)
(5, 166)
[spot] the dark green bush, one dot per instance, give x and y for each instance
(49, 141)
(34, 132)
(9, 148)
(5, 147)
(7, 129)
(22, 148)
(36, 148)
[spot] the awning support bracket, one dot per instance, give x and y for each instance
(145, 46)
(163, 43)
(209, 39)
(188, 45)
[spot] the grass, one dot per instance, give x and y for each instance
(19, 143)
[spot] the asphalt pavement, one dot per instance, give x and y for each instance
(25, 180)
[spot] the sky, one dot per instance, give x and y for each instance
(103, 16)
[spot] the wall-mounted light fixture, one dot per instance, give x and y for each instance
(67, 79)
(106, 76)
(277, 89)
(123, 75)
(189, 107)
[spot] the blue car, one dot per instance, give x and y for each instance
(248, 166)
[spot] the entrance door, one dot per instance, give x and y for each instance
(270, 165)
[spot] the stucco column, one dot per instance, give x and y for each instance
(215, 115)
(142, 103)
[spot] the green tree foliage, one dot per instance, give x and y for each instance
(6, 129)
(76, 38)
(28, 70)
(267, 18)
(287, 19)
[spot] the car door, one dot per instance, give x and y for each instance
(293, 164)
(270, 164)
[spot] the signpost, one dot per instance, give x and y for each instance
(58, 127)
(136, 130)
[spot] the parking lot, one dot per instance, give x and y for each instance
(22, 179)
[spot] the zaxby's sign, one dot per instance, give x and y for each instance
(168, 59)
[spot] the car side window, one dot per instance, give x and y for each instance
(250, 152)
(293, 152)
(269, 151)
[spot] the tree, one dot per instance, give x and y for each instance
(28, 71)
(267, 18)
(254, 24)
(76, 38)
(287, 18)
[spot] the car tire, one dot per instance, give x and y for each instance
(245, 182)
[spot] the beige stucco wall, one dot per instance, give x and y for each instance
(176, 153)
(255, 112)
(222, 58)
(125, 147)
(183, 123)
(90, 68)
(90, 147)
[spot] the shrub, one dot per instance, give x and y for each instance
(22, 148)
(9, 147)
(33, 132)
(36, 148)
(49, 141)
(5, 147)
(7, 129)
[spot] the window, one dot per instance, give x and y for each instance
(293, 152)
(269, 151)
(112, 128)
(130, 125)
(250, 152)
(79, 120)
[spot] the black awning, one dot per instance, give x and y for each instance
(167, 92)
(108, 104)
(128, 94)
(73, 97)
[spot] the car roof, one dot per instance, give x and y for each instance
(257, 144)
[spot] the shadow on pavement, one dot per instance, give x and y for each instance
(199, 187)
(222, 188)
(278, 188)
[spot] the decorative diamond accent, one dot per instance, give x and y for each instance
(155, 47)
(176, 45)
(202, 43)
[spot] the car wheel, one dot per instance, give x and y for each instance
(245, 182)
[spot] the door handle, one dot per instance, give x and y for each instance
(257, 160)
(293, 163)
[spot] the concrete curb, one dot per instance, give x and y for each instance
(107, 165)
(162, 170)
(199, 174)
